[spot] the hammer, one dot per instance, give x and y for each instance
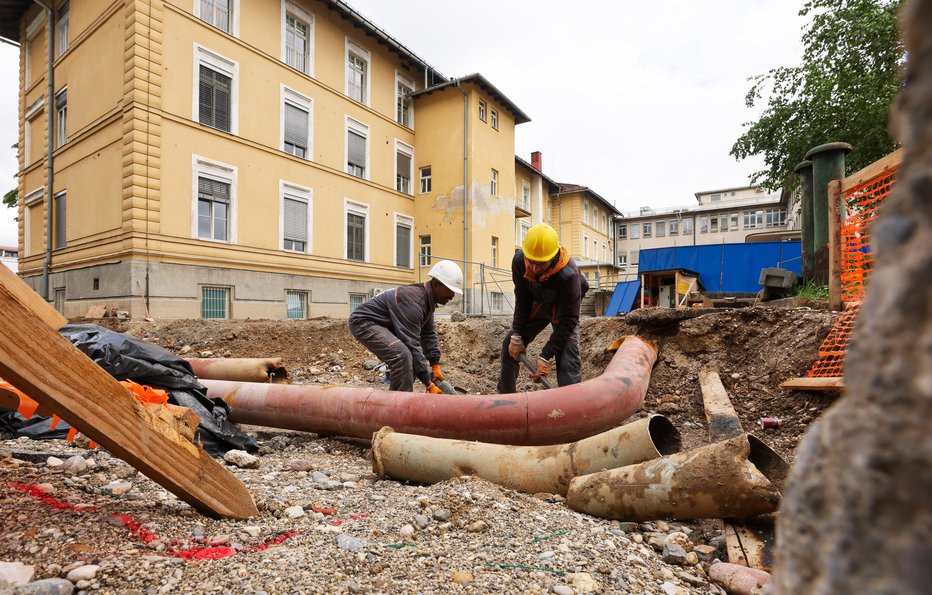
(530, 366)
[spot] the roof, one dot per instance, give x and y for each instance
(11, 13)
(553, 184)
(723, 190)
(483, 83)
(566, 188)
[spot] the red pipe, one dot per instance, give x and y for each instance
(552, 416)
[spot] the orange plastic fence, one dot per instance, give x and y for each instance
(857, 263)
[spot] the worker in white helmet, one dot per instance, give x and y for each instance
(398, 327)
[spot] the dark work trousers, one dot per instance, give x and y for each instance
(569, 367)
(388, 348)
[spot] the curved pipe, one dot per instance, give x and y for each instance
(245, 369)
(530, 469)
(552, 416)
(736, 478)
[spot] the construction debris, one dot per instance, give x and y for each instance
(267, 369)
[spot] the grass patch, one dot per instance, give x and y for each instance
(811, 290)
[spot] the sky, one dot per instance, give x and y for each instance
(639, 101)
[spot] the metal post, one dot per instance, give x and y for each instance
(804, 171)
(828, 163)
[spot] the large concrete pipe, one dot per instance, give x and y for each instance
(552, 416)
(828, 163)
(245, 369)
(737, 478)
(804, 171)
(530, 469)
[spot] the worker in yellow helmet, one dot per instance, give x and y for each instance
(548, 290)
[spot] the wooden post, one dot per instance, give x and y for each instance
(835, 218)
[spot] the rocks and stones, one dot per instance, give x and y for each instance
(407, 531)
(477, 526)
(241, 459)
(294, 512)
(705, 553)
(48, 586)
(562, 590)
(86, 572)
(442, 514)
(16, 573)
(674, 554)
(54, 463)
(462, 577)
(301, 465)
(117, 487)
(349, 543)
(75, 465)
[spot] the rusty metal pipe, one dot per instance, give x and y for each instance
(245, 369)
(738, 580)
(552, 416)
(736, 478)
(530, 469)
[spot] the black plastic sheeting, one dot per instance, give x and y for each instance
(128, 358)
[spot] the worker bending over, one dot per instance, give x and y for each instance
(398, 327)
(548, 290)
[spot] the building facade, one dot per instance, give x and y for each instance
(731, 215)
(261, 159)
(586, 224)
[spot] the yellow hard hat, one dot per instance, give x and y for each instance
(541, 243)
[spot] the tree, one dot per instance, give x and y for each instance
(11, 198)
(842, 91)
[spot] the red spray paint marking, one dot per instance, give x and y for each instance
(353, 517)
(138, 531)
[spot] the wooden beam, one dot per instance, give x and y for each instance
(873, 170)
(832, 384)
(836, 215)
(719, 412)
(37, 360)
(30, 299)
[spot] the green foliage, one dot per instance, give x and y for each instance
(811, 290)
(842, 91)
(11, 198)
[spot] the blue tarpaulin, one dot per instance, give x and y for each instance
(623, 298)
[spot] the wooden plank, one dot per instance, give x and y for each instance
(756, 536)
(96, 312)
(44, 365)
(736, 554)
(835, 218)
(873, 170)
(32, 300)
(719, 412)
(832, 384)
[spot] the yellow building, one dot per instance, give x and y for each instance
(586, 224)
(233, 159)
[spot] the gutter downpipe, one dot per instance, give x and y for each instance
(465, 178)
(50, 107)
(552, 416)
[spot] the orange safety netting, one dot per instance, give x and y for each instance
(857, 263)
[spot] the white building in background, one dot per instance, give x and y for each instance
(731, 215)
(10, 257)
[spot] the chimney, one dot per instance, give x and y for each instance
(535, 161)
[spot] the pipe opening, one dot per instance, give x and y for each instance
(665, 436)
(278, 374)
(768, 462)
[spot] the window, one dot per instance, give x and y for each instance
(604, 252)
(494, 251)
(356, 300)
(60, 299)
(403, 236)
(623, 260)
(623, 232)
(32, 112)
(494, 119)
(215, 302)
(635, 231)
(356, 216)
(713, 225)
(61, 117)
(404, 113)
(493, 187)
(604, 223)
(661, 229)
(498, 299)
(215, 201)
(357, 73)
(482, 109)
(525, 226)
(525, 195)
(357, 149)
(424, 252)
(703, 225)
(734, 221)
(687, 226)
(60, 220)
(585, 212)
(634, 258)
(753, 219)
(404, 156)
(716, 197)
(595, 249)
(32, 29)
(674, 226)
(425, 180)
(297, 41)
(296, 124)
(595, 218)
(296, 217)
(648, 231)
(585, 245)
(216, 80)
(62, 24)
(296, 303)
(776, 217)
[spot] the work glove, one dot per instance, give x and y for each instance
(542, 370)
(515, 347)
(438, 375)
(434, 389)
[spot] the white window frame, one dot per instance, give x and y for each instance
(408, 150)
(493, 118)
(357, 208)
(585, 245)
(525, 195)
(422, 178)
(401, 79)
(222, 172)
(604, 223)
(622, 260)
(494, 246)
(305, 297)
(363, 130)
(523, 228)
(364, 54)
(635, 231)
(62, 32)
(30, 201)
(585, 212)
(301, 102)
(673, 227)
(704, 224)
(32, 112)
(660, 228)
(687, 225)
(234, 23)
(493, 184)
(299, 14)
(735, 222)
(211, 59)
(623, 231)
(403, 220)
(754, 219)
(483, 109)
(61, 118)
(647, 229)
(296, 192)
(423, 259)
(771, 212)
(32, 29)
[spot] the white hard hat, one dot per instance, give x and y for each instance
(448, 273)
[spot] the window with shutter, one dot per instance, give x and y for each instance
(61, 117)
(213, 209)
(61, 216)
(215, 98)
(295, 211)
(355, 236)
(62, 26)
(355, 153)
(403, 159)
(296, 127)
